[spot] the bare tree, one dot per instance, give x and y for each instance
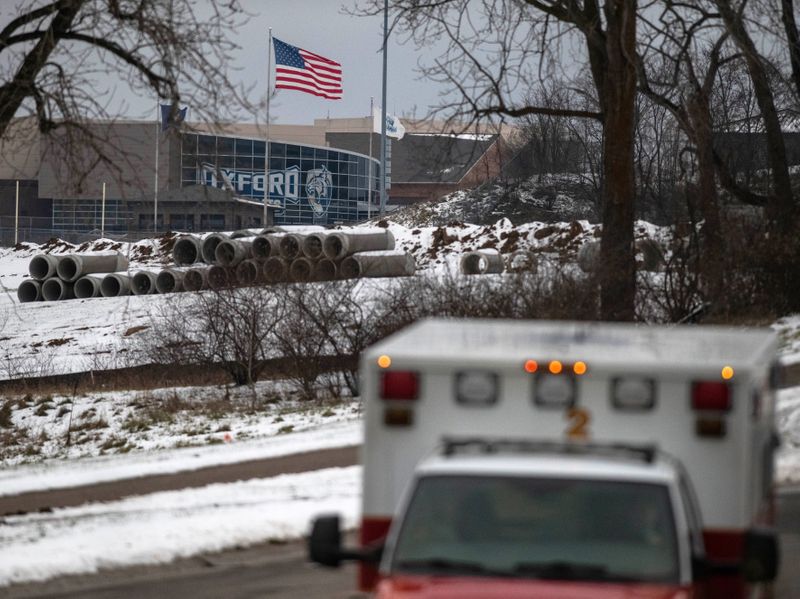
(230, 329)
(780, 207)
(659, 142)
(792, 41)
(498, 50)
(547, 137)
(55, 54)
(301, 339)
(678, 74)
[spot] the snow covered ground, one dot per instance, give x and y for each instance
(48, 428)
(40, 338)
(161, 527)
(123, 434)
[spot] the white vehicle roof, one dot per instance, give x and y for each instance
(551, 466)
(602, 345)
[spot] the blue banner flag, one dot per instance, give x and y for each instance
(167, 120)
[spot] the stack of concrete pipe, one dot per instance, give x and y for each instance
(75, 276)
(277, 254)
(297, 253)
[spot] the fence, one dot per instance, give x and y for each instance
(39, 229)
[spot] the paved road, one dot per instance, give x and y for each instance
(789, 526)
(261, 571)
(282, 572)
(227, 473)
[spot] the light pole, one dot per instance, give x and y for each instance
(383, 107)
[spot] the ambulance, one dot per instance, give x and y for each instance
(510, 459)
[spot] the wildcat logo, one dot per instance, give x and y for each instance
(319, 184)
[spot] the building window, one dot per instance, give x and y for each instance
(181, 222)
(146, 222)
(212, 222)
(241, 161)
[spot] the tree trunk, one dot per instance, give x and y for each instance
(780, 206)
(699, 116)
(792, 40)
(618, 267)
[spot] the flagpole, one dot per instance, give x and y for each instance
(103, 214)
(266, 145)
(383, 108)
(371, 178)
(155, 183)
(16, 216)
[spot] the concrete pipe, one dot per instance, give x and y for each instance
(291, 229)
(523, 261)
(242, 233)
(188, 249)
(301, 270)
(55, 289)
(196, 279)
(88, 286)
(389, 263)
(248, 272)
(144, 282)
(220, 277)
(116, 284)
(312, 245)
(325, 270)
(275, 270)
(265, 246)
(29, 291)
(589, 256)
(43, 266)
(170, 280)
(291, 246)
(482, 262)
(210, 244)
(72, 267)
(232, 251)
(340, 244)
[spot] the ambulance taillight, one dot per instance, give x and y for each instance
(399, 385)
(711, 396)
(712, 399)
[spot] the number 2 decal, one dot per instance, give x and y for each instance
(578, 427)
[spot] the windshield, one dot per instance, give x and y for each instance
(561, 529)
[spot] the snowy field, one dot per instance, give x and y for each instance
(161, 527)
(99, 333)
(124, 434)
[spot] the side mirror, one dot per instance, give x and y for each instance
(325, 545)
(700, 568)
(761, 555)
(325, 542)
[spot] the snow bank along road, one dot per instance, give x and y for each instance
(34, 501)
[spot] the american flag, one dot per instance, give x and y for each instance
(305, 71)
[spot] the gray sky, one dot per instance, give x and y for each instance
(319, 26)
